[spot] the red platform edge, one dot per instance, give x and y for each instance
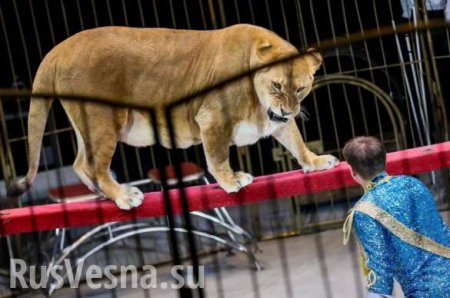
(276, 186)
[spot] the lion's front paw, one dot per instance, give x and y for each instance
(131, 199)
(241, 180)
(321, 162)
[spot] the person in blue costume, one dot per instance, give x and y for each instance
(400, 232)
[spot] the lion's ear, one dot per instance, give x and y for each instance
(314, 59)
(260, 53)
(263, 46)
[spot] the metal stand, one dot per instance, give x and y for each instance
(235, 237)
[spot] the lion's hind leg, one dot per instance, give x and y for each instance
(97, 132)
(81, 165)
(103, 145)
(243, 178)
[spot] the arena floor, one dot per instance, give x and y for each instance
(305, 277)
(337, 276)
(292, 269)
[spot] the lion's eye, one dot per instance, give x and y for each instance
(300, 89)
(276, 86)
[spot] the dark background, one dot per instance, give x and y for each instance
(29, 29)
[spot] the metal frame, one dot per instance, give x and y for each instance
(235, 239)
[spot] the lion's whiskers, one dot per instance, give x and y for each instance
(303, 114)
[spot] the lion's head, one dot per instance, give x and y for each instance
(282, 87)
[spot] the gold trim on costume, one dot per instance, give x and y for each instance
(371, 184)
(400, 230)
(347, 227)
(368, 273)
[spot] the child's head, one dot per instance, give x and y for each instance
(366, 156)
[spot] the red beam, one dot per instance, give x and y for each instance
(276, 186)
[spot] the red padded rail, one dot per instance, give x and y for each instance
(277, 186)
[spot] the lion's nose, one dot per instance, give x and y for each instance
(284, 113)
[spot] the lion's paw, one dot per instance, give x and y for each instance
(242, 179)
(132, 198)
(230, 187)
(322, 162)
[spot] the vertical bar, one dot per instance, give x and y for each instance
(185, 207)
(212, 13)
(167, 203)
(94, 11)
(202, 13)
(125, 13)
(155, 13)
(108, 7)
(80, 15)
(223, 19)
(269, 17)
(24, 44)
(141, 13)
(172, 14)
(369, 60)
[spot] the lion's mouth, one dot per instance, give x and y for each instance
(275, 117)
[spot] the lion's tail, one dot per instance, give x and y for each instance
(37, 119)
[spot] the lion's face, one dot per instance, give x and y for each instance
(282, 87)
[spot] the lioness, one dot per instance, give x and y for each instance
(156, 66)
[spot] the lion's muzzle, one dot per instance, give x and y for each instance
(276, 118)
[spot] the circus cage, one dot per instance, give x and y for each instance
(382, 75)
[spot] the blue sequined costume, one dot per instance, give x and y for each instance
(402, 253)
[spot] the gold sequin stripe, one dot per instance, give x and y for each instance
(369, 274)
(402, 231)
(364, 260)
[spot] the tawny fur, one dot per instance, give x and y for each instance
(154, 67)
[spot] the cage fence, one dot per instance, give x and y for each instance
(392, 86)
